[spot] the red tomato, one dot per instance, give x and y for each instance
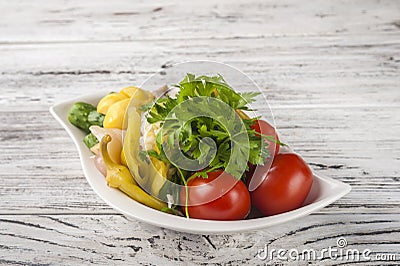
(285, 185)
(265, 128)
(224, 199)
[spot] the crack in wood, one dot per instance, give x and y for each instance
(113, 258)
(57, 21)
(87, 72)
(303, 229)
(107, 245)
(47, 242)
(372, 233)
(129, 238)
(18, 262)
(135, 248)
(14, 247)
(172, 258)
(167, 65)
(314, 226)
(208, 241)
(72, 72)
(26, 224)
(325, 166)
(371, 222)
(368, 206)
(151, 240)
(125, 13)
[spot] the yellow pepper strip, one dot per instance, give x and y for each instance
(159, 170)
(119, 176)
(129, 91)
(151, 175)
(131, 149)
(116, 113)
(123, 159)
(108, 100)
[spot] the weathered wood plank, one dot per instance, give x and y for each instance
(78, 21)
(290, 76)
(112, 239)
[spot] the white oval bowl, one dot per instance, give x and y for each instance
(324, 190)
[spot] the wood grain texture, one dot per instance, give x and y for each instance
(77, 21)
(331, 71)
(112, 239)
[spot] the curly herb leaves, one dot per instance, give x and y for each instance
(195, 130)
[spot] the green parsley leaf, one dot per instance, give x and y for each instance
(197, 136)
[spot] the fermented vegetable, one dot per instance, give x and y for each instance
(90, 140)
(95, 118)
(79, 115)
(115, 114)
(119, 176)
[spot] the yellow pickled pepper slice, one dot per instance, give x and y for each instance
(129, 91)
(123, 158)
(116, 113)
(159, 175)
(107, 101)
(119, 176)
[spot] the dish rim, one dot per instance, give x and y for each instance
(123, 203)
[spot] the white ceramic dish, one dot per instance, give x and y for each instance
(324, 191)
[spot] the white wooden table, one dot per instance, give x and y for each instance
(331, 70)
